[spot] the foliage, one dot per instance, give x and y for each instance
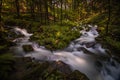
(113, 44)
(69, 23)
(98, 19)
(5, 43)
(35, 13)
(55, 37)
(6, 66)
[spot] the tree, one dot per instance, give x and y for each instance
(61, 11)
(39, 8)
(32, 8)
(46, 7)
(109, 14)
(17, 8)
(0, 9)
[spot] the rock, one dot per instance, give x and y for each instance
(76, 75)
(69, 49)
(13, 35)
(84, 50)
(79, 49)
(61, 66)
(117, 59)
(99, 65)
(27, 48)
(53, 70)
(88, 45)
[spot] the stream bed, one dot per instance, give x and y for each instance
(83, 54)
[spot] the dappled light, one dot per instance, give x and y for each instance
(59, 40)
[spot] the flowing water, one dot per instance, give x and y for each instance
(83, 54)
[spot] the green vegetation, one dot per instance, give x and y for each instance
(6, 58)
(6, 66)
(54, 36)
(113, 45)
(52, 23)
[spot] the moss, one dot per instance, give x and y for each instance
(76, 75)
(51, 71)
(55, 36)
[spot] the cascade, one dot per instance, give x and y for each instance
(91, 60)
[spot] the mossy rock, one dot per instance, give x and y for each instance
(76, 75)
(27, 48)
(55, 70)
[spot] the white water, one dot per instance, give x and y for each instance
(90, 64)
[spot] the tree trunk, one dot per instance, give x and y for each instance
(17, 8)
(54, 12)
(0, 9)
(108, 22)
(40, 5)
(32, 9)
(46, 7)
(61, 12)
(65, 9)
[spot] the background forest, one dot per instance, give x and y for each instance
(51, 22)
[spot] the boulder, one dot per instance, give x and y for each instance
(46, 70)
(76, 75)
(27, 48)
(61, 66)
(88, 45)
(85, 50)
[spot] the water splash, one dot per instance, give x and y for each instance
(23, 31)
(75, 55)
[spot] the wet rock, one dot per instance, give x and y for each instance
(76, 75)
(13, 35)
(98, 66)
(69, 49)
(27, 48)
(84, 50)
(80, 48)
(55, 70)
(77, 45)
(61, 66)
(117, 59)
(88, 45)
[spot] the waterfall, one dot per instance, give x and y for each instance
(91, 60)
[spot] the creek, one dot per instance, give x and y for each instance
(84, 54)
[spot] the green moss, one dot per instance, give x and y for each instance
(76, 75)
(51, 71)
(55, 36)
